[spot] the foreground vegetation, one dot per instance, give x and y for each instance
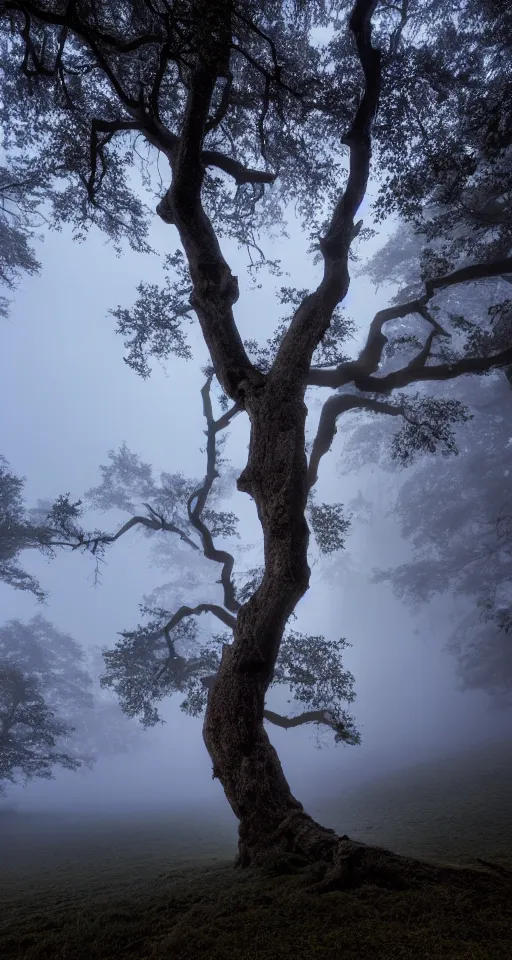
(218, 913)
(163, 886)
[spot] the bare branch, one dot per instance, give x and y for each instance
(199, 498)
(331, 410)
(109, 127)
(223, 107)
(309, 716)
(396, 36)
(436, 326)
(476, 271)
(209, 158)
(442, 371)
(186, 611)
(313, 316)
(70, 19)
(264, 36)
(215, 290)
(181, 613)
(419, 361)
(241, 174)
(359, 371)
(227, 417)
(157, 523)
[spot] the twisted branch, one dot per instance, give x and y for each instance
(181, 613)
(199, 497)
(156, 523)
(360, 371)
(312, 318)
(331, 410)
(309, 716)
(441, 371)
(185, 611)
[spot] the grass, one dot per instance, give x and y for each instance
(149, 887)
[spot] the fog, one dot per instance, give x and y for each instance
(71, 399)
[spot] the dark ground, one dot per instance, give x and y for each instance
(160, 885)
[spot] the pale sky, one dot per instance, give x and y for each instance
(69, 398)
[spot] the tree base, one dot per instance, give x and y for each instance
(331, 862)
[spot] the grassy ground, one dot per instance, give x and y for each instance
(151, 887)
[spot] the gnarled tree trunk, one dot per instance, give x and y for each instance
(244, 760)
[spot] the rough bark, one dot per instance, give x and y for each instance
(243, 758)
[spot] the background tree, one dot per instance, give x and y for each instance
(39, 528)
(29, 731)
(461, 541)
(43, 682)
(457, 521)
(22, 195)
(237, 97)
(18, 532)
(52, 709)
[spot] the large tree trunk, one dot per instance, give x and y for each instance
(274, 830)
(243, 758)
(271, 819)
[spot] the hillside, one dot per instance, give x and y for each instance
(161, 886)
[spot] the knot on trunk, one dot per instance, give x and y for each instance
(164, 209)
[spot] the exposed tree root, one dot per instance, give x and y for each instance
(504, 871)
(355, 864)
(330, 862)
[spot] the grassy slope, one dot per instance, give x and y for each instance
(456, 808)
(149, 887)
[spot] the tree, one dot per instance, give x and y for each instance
(17, 533)
(42, 682)
(29, 731)
(39, 528)
(457, 522)
(250, 114)
(52, 710)
(21, 196)
(44, 675)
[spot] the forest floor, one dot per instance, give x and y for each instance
(162, 885)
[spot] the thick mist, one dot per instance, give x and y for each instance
(71, 400)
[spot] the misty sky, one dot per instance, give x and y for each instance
(69, 398)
